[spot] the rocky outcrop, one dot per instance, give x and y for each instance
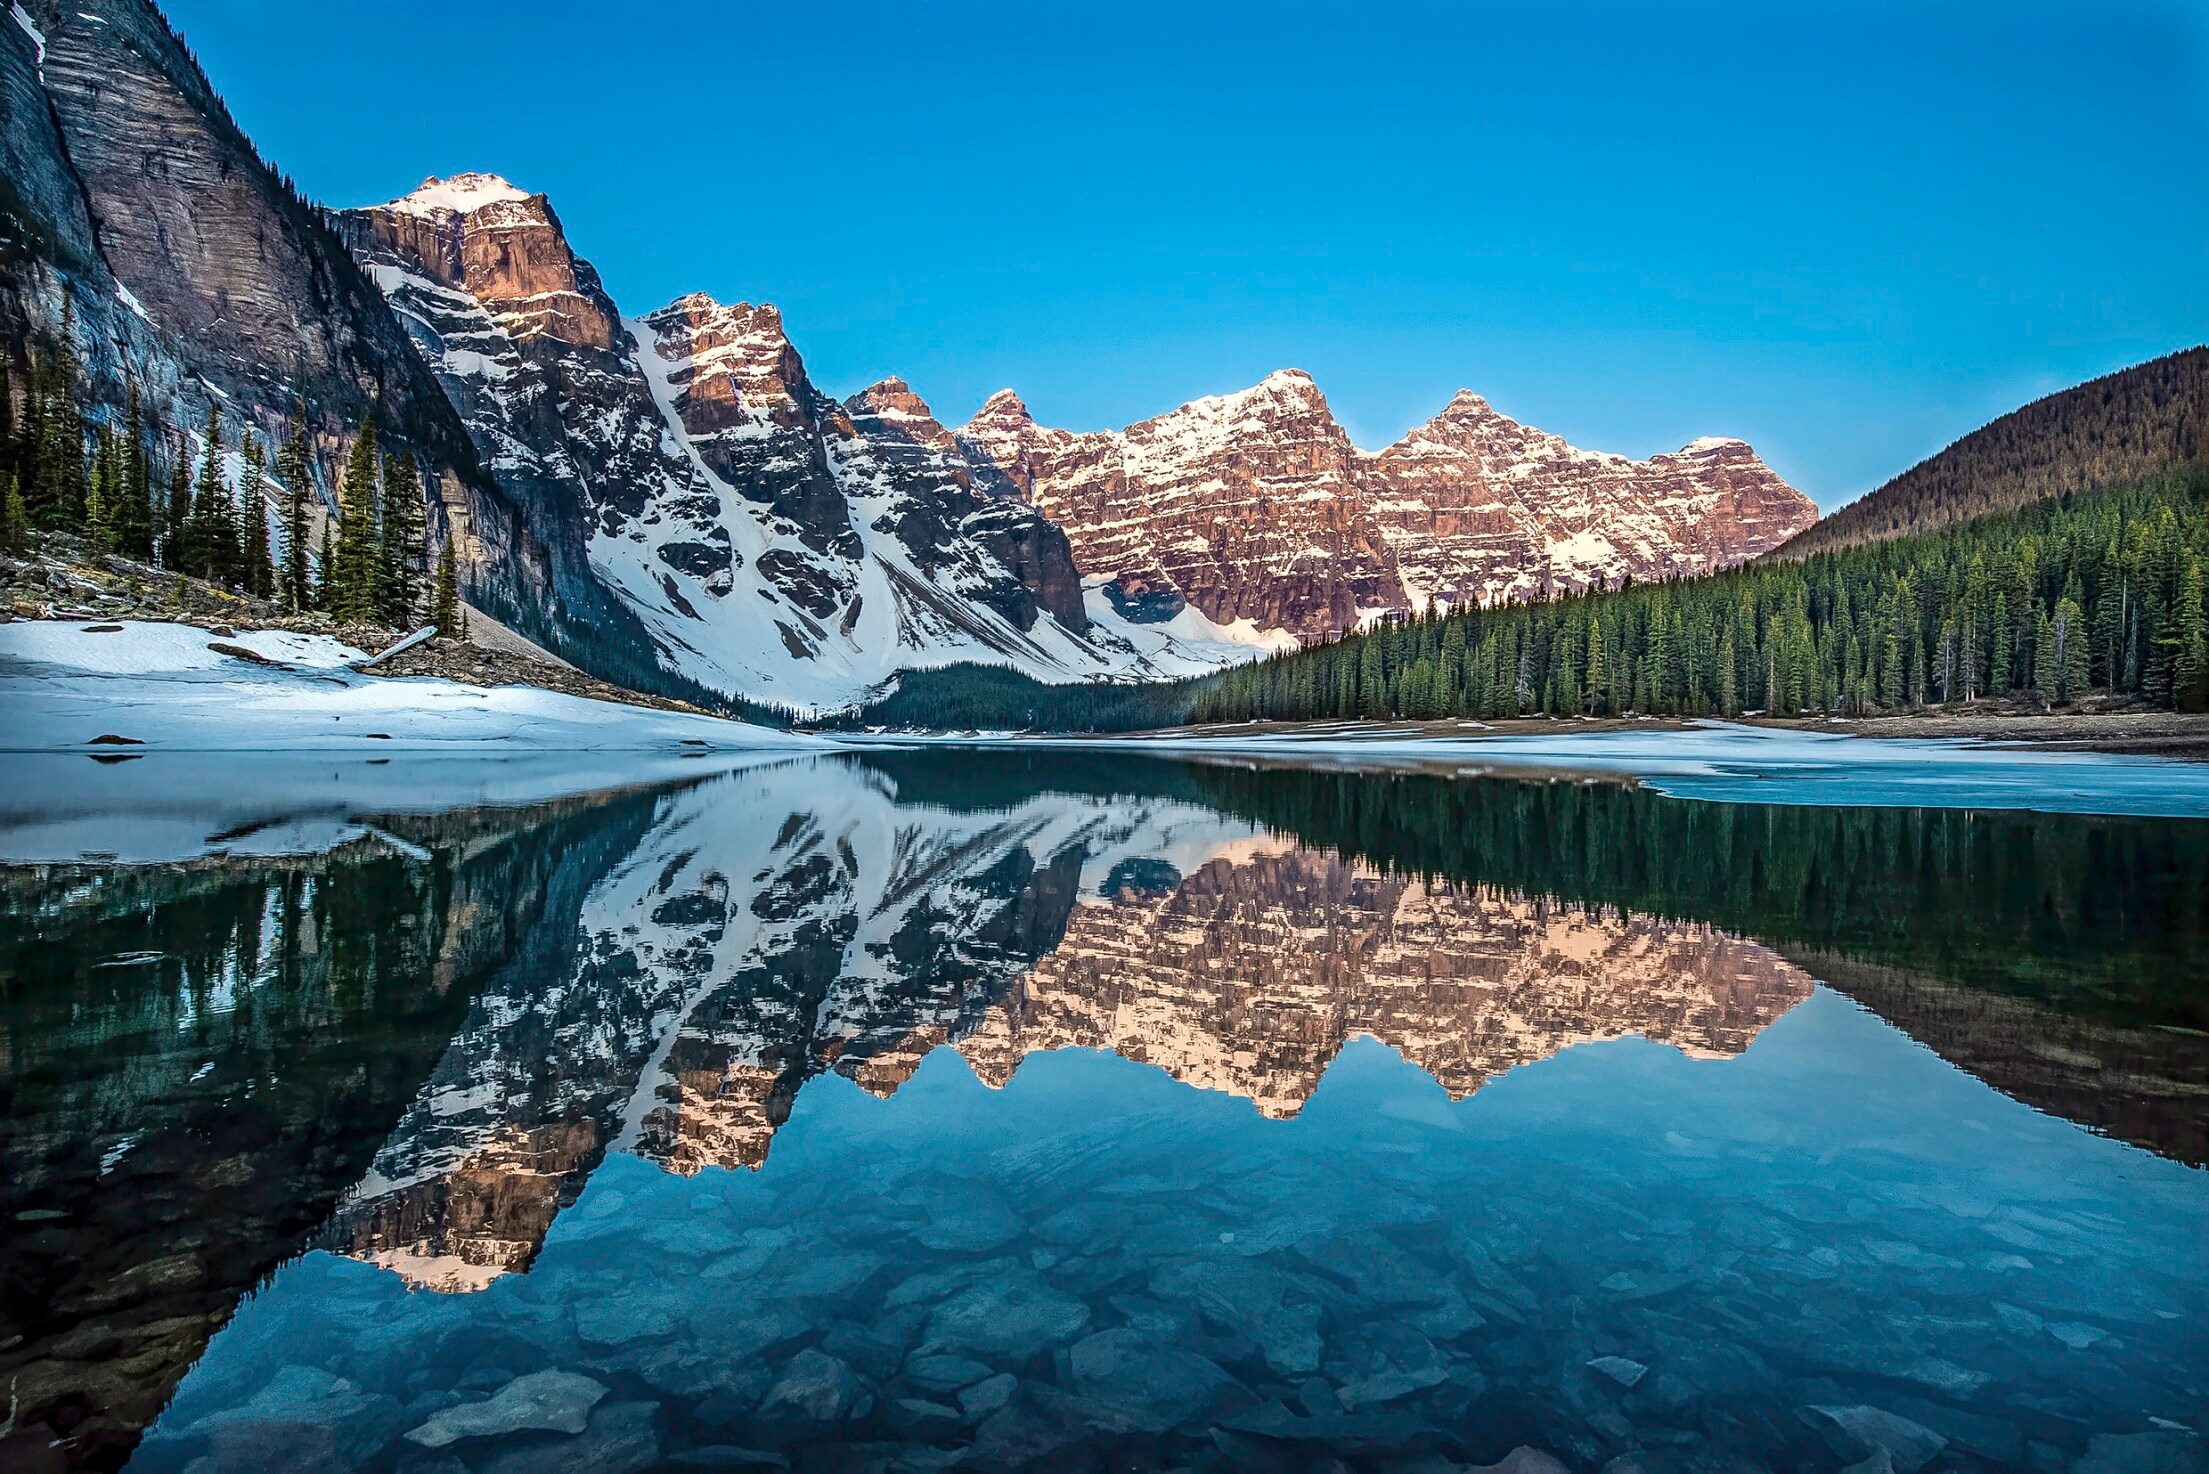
(1255, 507)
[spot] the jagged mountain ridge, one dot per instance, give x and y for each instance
(1256, 507)
(774, 542)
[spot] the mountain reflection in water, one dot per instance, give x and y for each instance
(578, 989)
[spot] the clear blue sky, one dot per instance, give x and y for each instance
(1845, 232)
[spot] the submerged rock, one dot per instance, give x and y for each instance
(814, 1386)
(620, 1439)
(1154, 1387)
(1622, 1370)
(1857, 1431)
(547, 1402)
(1014, 1317)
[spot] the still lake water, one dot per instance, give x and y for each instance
(1030, 1111)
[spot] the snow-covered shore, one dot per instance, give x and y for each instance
(1714, 760)
(63, 684)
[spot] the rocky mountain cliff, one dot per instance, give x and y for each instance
(193, 268)
(1256, 507)
(774, 542)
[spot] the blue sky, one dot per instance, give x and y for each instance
(1845, 232)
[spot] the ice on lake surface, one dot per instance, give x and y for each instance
(1077, 1111)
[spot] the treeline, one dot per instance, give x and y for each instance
(231, 520)
(2071, 596)
(2145, 421)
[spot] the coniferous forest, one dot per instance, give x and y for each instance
(199, 505)
(2079, 595)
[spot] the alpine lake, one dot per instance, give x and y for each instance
(1008, 1109)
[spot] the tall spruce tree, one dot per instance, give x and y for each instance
(176, 512)
(102, 495)
(356, 582)
(296, 471)
(211, 527)
(134, 521)
(401, 553)
(445, 604)
(55, 482)
(257, 570)
(325, 561)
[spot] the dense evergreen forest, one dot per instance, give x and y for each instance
(198, 506)
(2071, 596)
(2145, 421)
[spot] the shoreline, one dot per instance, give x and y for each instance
(2183, 736)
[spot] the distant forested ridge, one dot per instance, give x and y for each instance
(2064, 598)
(2145, 421)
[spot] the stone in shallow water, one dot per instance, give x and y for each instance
(934, 1372)
(987, 1396)
(631, 1315)
(1945, 1376)
(1155, 1387)
(1855, 1431)
(968, 1223)
(1522, 1460)
(2076, 1334)
(1013, 1316)
(1270, 1307)
(620, 1439)
(1622, 1370)
(918, 1418)
(545, 1402)
(299, 1394)
(814, 1386)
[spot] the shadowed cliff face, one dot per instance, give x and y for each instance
(191, 266)
(198, 1061)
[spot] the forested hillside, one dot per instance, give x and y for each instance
(2061, 599)
(2148, 420)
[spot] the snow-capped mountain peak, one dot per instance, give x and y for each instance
(462, 194)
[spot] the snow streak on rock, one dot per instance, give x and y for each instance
(776, 543)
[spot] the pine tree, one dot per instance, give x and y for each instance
(325, 561)
(211, 528)
(176, 515)
(257, 570)
(55, 491)
(355, 582)
(102, 498)
(445, 606)
(401, 553)
(2067, 656)
(296, 471)
(134, 519)
(14, 520)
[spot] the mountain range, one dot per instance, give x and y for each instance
(670, 502)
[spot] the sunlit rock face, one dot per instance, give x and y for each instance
(776, 925)
(1255, 506)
